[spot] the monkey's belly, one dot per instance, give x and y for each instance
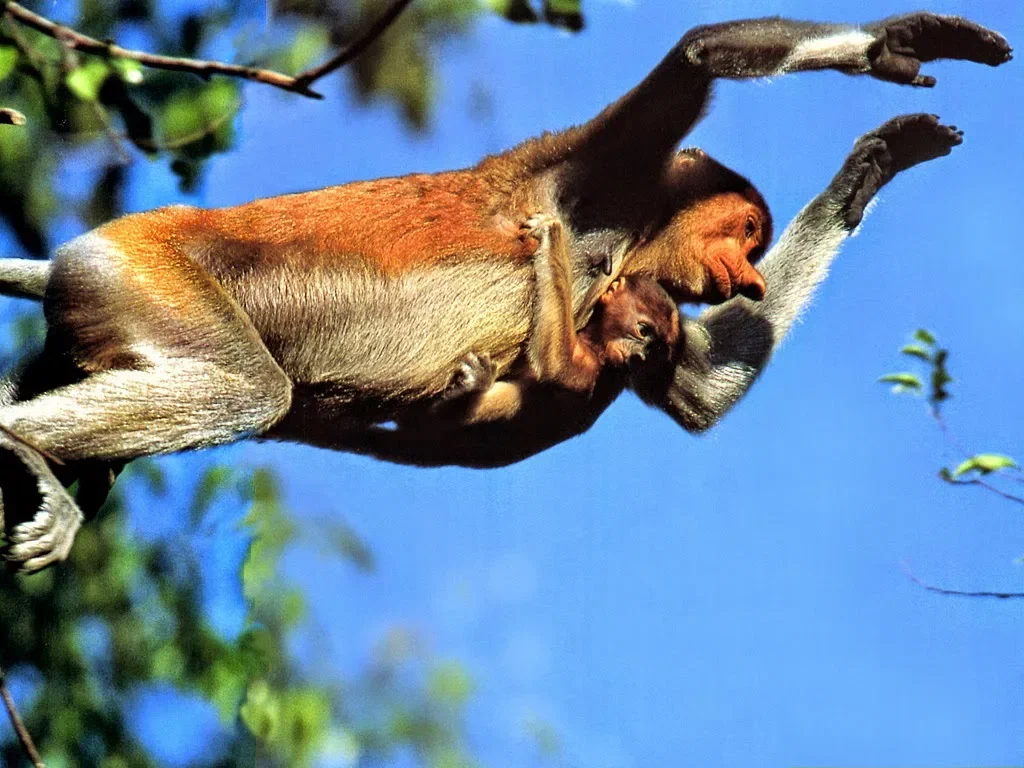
(390, 337)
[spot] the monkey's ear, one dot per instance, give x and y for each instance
(616, 285)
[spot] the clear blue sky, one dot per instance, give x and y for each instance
(736, 599)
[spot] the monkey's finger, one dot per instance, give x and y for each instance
(924, 81)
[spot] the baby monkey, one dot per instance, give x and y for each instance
(631, 319)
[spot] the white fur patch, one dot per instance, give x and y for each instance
(847, 48)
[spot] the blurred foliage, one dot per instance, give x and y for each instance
(105, 113)
(121, 618)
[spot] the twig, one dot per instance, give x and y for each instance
(989, 487)
(19, 727)
(342, 58)
(956, 592)
(299, 84)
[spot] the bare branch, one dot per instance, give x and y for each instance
(10, 116)
(342, 58)
(107, 49)
(956, 592)
(988, 487)
(19, 727)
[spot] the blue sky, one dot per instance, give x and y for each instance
(734, 599)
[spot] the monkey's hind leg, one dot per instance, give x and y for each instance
(169, 365)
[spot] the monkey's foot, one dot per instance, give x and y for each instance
(476, 373)
(903, 43)
(878, 156)
(48, 536)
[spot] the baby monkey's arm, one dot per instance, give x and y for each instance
(554, 352)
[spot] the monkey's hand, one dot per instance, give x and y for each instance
(476, 373)
(48, 536)
(903, 43)
(878, 156)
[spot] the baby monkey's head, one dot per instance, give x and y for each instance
(633, 317)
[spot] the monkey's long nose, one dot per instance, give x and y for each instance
(750, 284)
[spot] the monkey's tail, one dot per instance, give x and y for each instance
(24, 278)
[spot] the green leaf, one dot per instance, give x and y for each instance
(342, 540)
(564, 13)
(916, 350)
(211, 485)
(450, 682)
(129, 71)
(85, 81)
(8, 60)
(985, 463)
(903, 381)
(924, 336)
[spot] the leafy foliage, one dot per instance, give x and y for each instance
(924, 348)
(975, 469)
(122, 618)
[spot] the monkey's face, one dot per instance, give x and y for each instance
(718, 228)
(637, 317)
(728, 234)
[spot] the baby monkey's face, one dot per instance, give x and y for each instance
(636, 315)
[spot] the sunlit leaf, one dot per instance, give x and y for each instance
(985, 463)
(916, 350)
(86, 80)
(924, 336)
(903, 381)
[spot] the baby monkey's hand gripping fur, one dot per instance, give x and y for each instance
(633, 315)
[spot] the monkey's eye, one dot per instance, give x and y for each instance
(646, 331)
(750, 228)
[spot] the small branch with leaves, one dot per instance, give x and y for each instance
(300, 83)
(20, 730)
(975, 470)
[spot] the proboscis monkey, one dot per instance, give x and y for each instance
(315, 317)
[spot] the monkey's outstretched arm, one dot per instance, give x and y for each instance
(726, 348)
(667, 103)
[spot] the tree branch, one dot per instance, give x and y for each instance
(299, 84)
(989, 487)
(342, 58)
(956, 592)
(19, 727)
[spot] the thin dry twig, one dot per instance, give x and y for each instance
(989, 487)
(355, 48)
(10, 116)
(956, 592)
(299, 84)
(19, 727)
